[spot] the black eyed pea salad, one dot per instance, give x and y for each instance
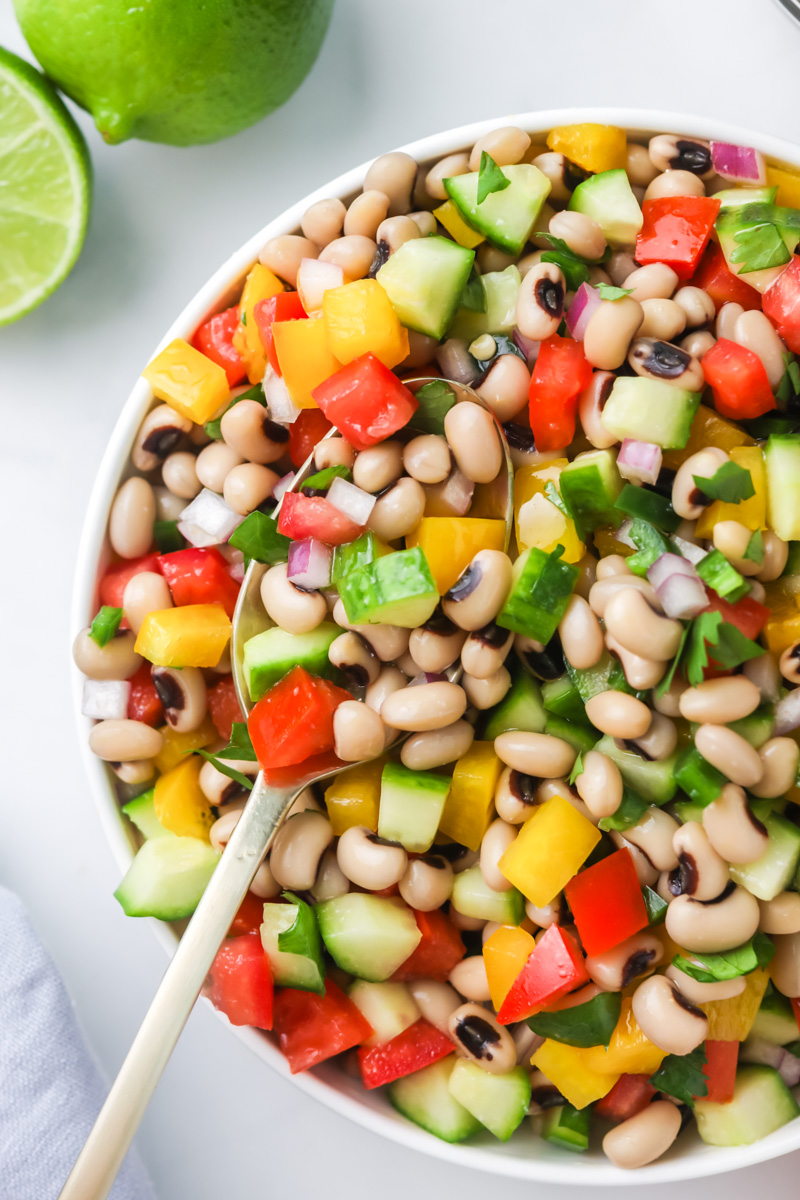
(560, 879)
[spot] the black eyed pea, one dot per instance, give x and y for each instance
(169, 507)
(159, 434)
(620, 265)
(393, 174)
(427, 458)
(785, 966)
(528, 262)
(562, 175)
(358, 732)
(669, 704)
(720, 700)
(674, 183)
(789, 663)
(617, 968)
(609, 331)
(644, 1138)
(713, 926)
(467, 924)
(671, 152)
(427, 882)
(215, 461)
(636, 626)
(549, 914)
(779, 757)
(663, 319)
(130, 524)
(591, 404)
(763, 672)
(611, 565)
(446, 168)
(366, 213)
(479, 1038)
(470, 431)
(354, 254)
(485, 693)
(653, 358)
(305, 802)
(703, 874)
(297, 849)
(179, 473)
(138, 770)
(582, 234)
(354, 656)
(198, 436)
(116, 660)
(394, 232)
(496, 840)
(729, 753)
(667, 1017)
(698, 343)
(687, 499)
(436, 1001)
(423, 751)
(537, 754)
(698, 307)
(378, 467)
(398, 511)
(183, 695)
(736, 835)
(515, 796)
(755, 331)
(290, 607)
(639, 165)
(123, 740)
(282, 255)
(581, 635)
(248, 485)
(728, 315)
(600, 784)
(323, 221)
(220, 832)
(618, 714)
(485, 650)
(390, 679)
(490, 258)
(251, 434)
(436, 645)
(480, 591)
(222, 790)
(264, 884)
(506, 387)
(389, 642)
(421, 350)
(659, 741)
(469, 979)
(646, 872)
(425, 706)
(776, 554)
(781, 914)
(331, 881)
(702, 993)
(507, 145)
(732, 538)
(654, 835)
(334, 452)
(407, 665)
(587, 575)
(370, 861)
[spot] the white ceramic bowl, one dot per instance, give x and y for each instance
(524, 1157)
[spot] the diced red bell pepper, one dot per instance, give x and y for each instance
(286, 306)
(795, 1003)
(714, 277)
(116, 577)
(295, 719)
(781, 303)
(249, 917)
(606, 902)
(313, 1028)
(313, 516)
(746, 614)
(738, 380)
(365, 401)
(304, 433)
(224, 706)
(437, 953)
(215, 340)
(560, 374)
(199, 576)
(416, 1047)
(630, 1095)
(144, 703)
(676, 230)
(720, 1070)
(554, 967)
(240, 982)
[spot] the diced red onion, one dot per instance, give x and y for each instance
(623, 534)
(283, 485)
(353, 501)
(759, 1050)
(666, 565)
(787, 713)
(235, 561)
(740, 164)
(314, 278)
(208, 520)
(427, 677)
(688, 549)
(583, 305)
(105, 699)
(640, 461)
(454, 495)
(456, 363)
(682, 597)
(280, 404)
(309, 564)
(529, 348)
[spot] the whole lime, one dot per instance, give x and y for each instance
(175, 71)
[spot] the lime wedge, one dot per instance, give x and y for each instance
(45, 188)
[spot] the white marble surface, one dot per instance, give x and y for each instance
(221, 1124)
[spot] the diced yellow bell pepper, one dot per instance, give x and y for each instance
(708, 429)
(470, 801)
(534, 150)
(260, 284)
(504, 955)
(731, 1020)
(594, 147)
(354, 796)
(752, 512)
(568, 1069)
(192, 635)
(175, 746)
(305, 357)
(180, 803)
(451, 543)
(359, 319)
(530, 482)
(629, 1051)
(605, 543)
(448, 215)
(783, 626)
(187, 381)
(549, 849)
(787, 182)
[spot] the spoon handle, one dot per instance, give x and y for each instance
(106, 1146)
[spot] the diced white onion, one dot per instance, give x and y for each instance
(353, 501)
(283, 485)
(314, 278)
(695, 554)
(787, 713)
(208, 520)
(280, 404)
(106, 699)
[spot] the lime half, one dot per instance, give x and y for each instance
(45, 188)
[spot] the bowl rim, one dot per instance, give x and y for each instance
(330, 1085)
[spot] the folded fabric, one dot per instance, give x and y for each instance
(50, 1087)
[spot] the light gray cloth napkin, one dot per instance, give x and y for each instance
(50, 1087)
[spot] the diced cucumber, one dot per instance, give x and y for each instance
(506, 218)
(736, 197)
(697, 777)
(520, 708)
(142, 812)
(562, 698)
(775, 1019)
(500, 1102)
(389, 1007)
(290, 937)
(411, 806)
(688, 810)
(757, 727)
(653, 780)
(782, 460)
(500, 302)
(775, 870)
(589, 487)
(368, 936)
(424, 280)
(761, 1104)
(650, 410)
(397, 589)
(580, 737)
(589, 681)
(364, 550)
(567, 1127)
(270, 655)
(167, 878)
(608, 199)
(540, 592)
(425, 1098)
(473, 897)
(778, 237)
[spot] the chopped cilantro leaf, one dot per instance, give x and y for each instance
(239, 747)
(730, 483)
(759, 247)
(755, 548)
(714, 968)
(609, 292)
(574, 268)
(681, 1076)
(490, 178)
(577, 769)
(554, 496)
(473, 296)
(719, 574)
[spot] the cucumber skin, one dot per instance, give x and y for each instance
(424, 1098)
(520, 708)
(782, 461)
(349, 927)
(761, 1104)
(152, 887)
(650, 410)
(499, 1102)
(414, 272)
